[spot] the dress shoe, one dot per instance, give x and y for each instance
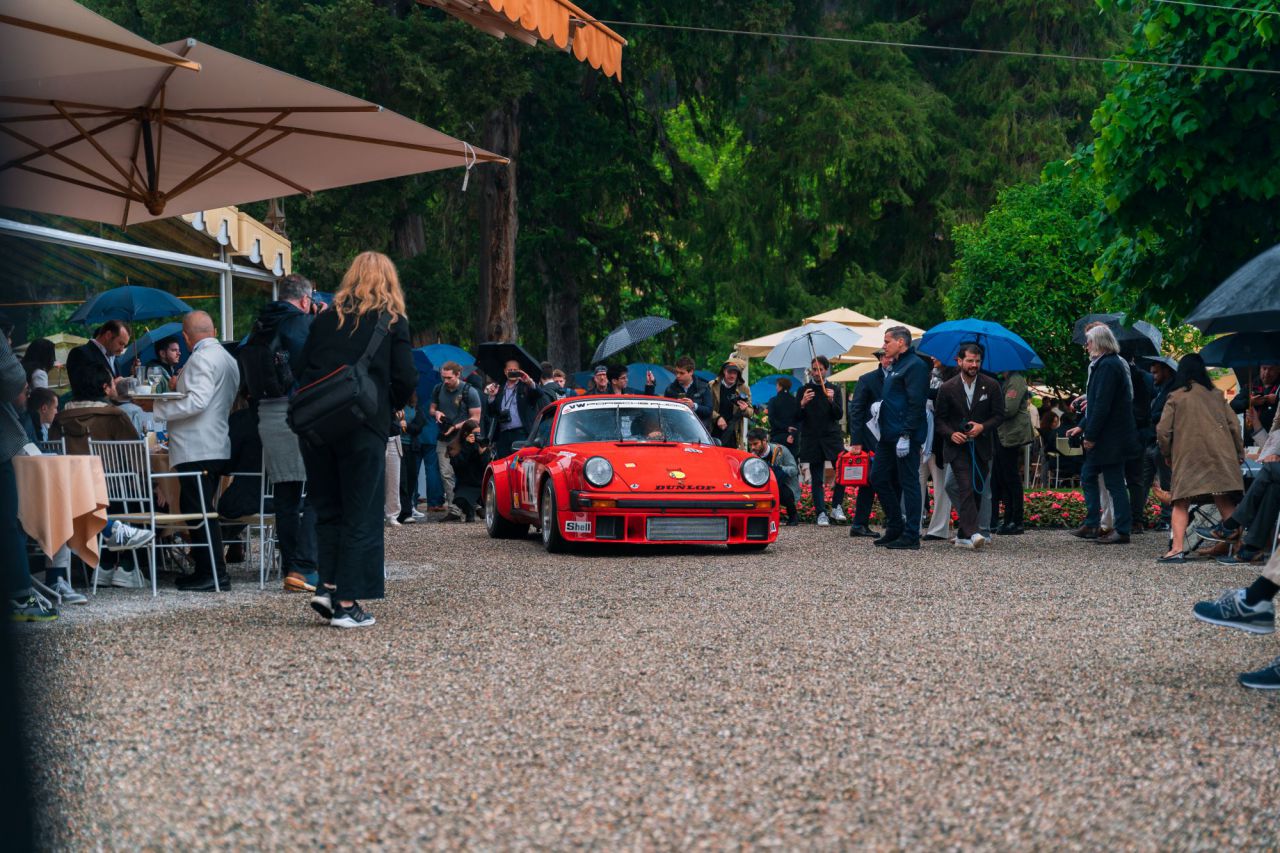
(861, 530)
(203, 583)
(887, 538)
(929, 537)
(1115, 537)
(903, 544)
(1010, 530)
(1084, 532)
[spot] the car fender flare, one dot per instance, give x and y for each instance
(498, 476)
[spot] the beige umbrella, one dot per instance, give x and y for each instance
(846, 316)
(164, 144)
(856, 372)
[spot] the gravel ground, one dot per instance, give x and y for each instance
(1046, 693)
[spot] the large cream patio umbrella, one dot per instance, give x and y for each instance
(172, 142)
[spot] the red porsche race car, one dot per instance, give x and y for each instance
(630, 469)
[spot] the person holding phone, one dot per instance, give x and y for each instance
(513, 406)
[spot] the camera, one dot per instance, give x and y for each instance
(504, 417)
(737, 397)
(681, 395)
(1075, 440)
(513, 374)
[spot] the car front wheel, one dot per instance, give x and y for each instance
(552, 539)
(499, 527)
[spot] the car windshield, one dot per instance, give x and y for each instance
(586, 422)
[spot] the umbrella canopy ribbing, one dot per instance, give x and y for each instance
(805, 343)
(1247, 301)
(492, 356)
(130, 303)
(1243, 349)
(1002, 349)
(630, 333)
(129, 148)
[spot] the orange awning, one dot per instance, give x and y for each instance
(555, 22)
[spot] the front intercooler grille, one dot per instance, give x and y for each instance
(687, 529)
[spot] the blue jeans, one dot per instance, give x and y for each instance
(1113, 478)
(897, 482)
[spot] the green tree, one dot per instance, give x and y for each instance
(1027, 267)
(1187, 157)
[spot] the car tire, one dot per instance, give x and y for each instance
(552, 539)
(499, 527)
(746, 547)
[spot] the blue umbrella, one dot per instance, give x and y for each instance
(582, 379)
(1243, 349)
(764, 390)
(428, 376)
(704, 375)
(129, 303)
(144, 348)
(1004, 350)
(438, 354)
(661, 376)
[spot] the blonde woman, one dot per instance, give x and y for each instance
(345, 477)
(1199, 437)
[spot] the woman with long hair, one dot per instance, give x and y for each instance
(345, 477)
(37, 361)
(1200, 440)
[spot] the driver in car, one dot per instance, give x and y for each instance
(647, 427)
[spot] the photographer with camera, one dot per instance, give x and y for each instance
(785, 469)
(967, 412)
(513, 406)
(821, 438)
(453, 403)
(689, 389)
(730, 404)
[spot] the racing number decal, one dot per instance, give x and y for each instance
(529, 483)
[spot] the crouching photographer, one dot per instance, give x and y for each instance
(785, 470)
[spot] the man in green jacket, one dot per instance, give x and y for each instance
(1015, 433)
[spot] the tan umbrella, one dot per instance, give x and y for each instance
(846, 316)
(173, 143)
(856, 372)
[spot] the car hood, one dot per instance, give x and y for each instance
(641, 467)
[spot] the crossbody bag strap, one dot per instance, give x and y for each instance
(379, 332)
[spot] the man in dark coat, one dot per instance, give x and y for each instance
(869, 390)
(1110, 436)
(512, 406)
(784, 417)
(966, 414)
(1144, 388)
(1154, 467)
(1261, 397)
(821, 439)
(108, 342)
(689, 389)
(903, 431)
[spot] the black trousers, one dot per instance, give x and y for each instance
(345, 484)
(785, 496)
(1007, 485)
(1137, 486)
(505, 438)
(409, 464)
(189, 500)
(819, 489)
(295, 528)
(1257, 512)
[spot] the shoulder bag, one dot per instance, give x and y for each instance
(329, 408)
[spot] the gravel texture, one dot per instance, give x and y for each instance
(1046, 692)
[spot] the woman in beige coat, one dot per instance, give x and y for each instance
(1200, 438)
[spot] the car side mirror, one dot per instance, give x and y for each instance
(519, 445)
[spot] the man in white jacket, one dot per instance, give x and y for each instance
(199, 439)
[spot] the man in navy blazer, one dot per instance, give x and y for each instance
(903, 431)
(869, 390)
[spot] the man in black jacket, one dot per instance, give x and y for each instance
(109, 341)
(1154, 467)
(1144, 388)
(868, 391)
(513, 406)
(967, 412)
(784, 417)
(413, 420)
(689, 389)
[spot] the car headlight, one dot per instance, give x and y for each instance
(598, 471)
(755, 472)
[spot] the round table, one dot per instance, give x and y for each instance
(62, 500)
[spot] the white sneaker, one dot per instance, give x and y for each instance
(129, 579)
(823, 521)
(392, 521)
(837, 515)
(66, 594)
(126, 537)
(979, 540)
(103, 577)
(418, 516)
(966, 543)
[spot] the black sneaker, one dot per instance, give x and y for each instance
(886, 537)
(1230, 611)
(902, 543)
(322, 602)
(1267, 678)
(351, 617)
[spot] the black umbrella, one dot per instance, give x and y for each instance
(492, 357)
(1245, 349)
(1248, 301)
(630, 332)
(1140, 339)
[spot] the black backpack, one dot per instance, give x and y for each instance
(264, 364)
